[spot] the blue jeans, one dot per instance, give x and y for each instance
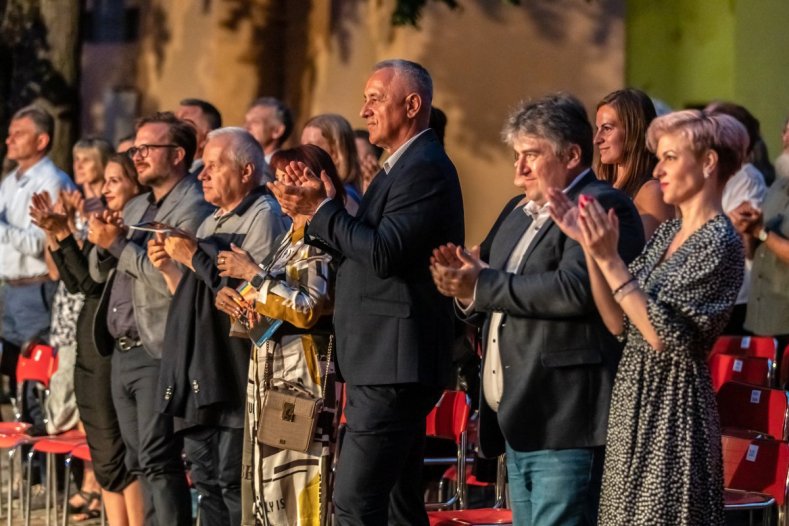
(558, 487)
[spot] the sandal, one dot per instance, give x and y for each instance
(86, 515)
(87, 499)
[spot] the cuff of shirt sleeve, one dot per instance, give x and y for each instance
(117, 246)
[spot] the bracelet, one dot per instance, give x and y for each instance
(617, 290)
(626, 289)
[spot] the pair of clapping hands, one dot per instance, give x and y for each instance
(455, 270)
(299, 191)
(58, 218)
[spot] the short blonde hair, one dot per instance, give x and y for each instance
(719, 132)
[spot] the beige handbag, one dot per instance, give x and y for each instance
(289, 412)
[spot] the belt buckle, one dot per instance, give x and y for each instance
(126, 344)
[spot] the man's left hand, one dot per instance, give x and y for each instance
(455, 271)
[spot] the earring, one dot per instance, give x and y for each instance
(706, 174)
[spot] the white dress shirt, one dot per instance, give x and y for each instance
(21, 242)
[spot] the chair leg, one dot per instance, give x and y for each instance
(9, 508)
(26, 502)
(67, 483)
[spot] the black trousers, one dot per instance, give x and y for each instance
(215, 455)
(379, 472)
(152, 451)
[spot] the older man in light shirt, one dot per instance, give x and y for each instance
(28, 288)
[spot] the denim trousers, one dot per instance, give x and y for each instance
(554, 487)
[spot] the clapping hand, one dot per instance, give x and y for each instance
(48, 217)
(565, 213)
(370, 168)
(600, 230)
(455, 271)
(229, 301)
(105, 227)
(299, 191)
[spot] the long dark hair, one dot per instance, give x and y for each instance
(635, 111)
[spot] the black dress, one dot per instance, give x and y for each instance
(663, 455)
(92, 372)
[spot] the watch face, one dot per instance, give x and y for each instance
(257, 281)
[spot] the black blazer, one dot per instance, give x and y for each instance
(392, 324)
(558, 358)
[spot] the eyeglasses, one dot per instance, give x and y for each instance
(145, 149)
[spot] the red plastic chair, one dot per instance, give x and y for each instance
(754, 346)
(480, 517)
(758, 467)
(449, 420)
(740, 368)
(37, 363)
(758, 410)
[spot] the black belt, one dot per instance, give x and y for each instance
(125, 343)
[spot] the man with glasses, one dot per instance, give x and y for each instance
(133, 310)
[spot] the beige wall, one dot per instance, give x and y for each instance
(316, 55)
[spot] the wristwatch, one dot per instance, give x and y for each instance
(762, 235)
(257, 281)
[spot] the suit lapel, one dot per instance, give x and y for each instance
(548, 225)
(174, 199)
(510, 232)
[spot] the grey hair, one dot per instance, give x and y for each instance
(41, 119)
(560, 119)
(243, 149)
(417, 77)
(99, 148)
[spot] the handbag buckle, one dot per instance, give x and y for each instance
(288, 411)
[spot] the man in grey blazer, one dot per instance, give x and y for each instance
(132, 314)
(549, 362)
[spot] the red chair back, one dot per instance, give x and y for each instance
(739, 368)
(38, 366)
(449, 418)
(752, 408)
(760, 465)
(759, 346)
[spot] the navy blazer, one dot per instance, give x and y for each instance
(392, 324)
(558, 358)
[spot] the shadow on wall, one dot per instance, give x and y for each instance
(279, 46)
(518, 64)
(27, 75)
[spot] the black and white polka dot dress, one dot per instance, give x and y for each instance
(663, 457)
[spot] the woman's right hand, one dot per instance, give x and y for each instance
(600, 231)
(229, 301)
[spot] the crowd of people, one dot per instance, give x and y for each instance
(198, 274)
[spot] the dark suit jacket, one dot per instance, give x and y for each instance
(392, 324)
(558, 358)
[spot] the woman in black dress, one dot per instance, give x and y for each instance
(663, 453)
(121, 491)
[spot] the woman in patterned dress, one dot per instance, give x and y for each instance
(663, 455)
(281, 487)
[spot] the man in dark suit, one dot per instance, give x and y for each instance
(549, 362)
(394, 330)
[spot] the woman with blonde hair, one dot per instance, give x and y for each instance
(333, 133)
(663, 453)
(623, 160)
